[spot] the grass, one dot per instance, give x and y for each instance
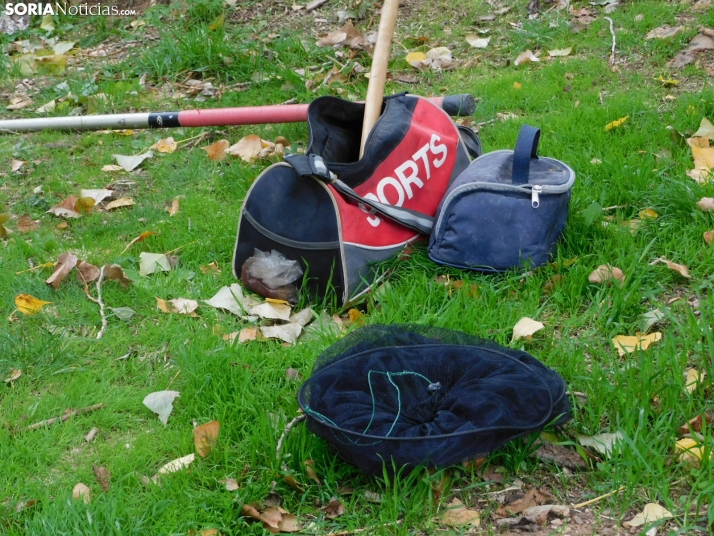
(244, 386)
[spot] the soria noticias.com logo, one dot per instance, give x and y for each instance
(47, 8)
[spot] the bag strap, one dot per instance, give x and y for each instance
(526, 149)
(314, 166)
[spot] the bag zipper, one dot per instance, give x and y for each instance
(535, 195)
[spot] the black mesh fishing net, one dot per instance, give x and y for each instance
(412, 395)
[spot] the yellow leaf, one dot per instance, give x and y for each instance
(517, 85)
(218, 23)
(121, 202)
(690, 451)
(648, 214)
(668, 82)
(247, 148)
(652, 512)
(28, 304)
(616, 124)
(694, 378)
(143, 236)
(205, 436)
(84, 205)
(627, 344)
(167, 146)
(416, 59)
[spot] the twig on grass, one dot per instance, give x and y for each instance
(612, 32)
(67, 414)
(98, 300)
(596, 499)
(289, 427)
(172, 380)
(315, 4)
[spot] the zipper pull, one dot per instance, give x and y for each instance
(535, 195)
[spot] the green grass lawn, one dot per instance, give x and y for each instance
(252, 52)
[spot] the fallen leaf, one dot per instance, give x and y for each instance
(161, 403)
(48, 25)
(334, 509)
(180, 306)
(4, 232)
(103, 476)
(15, 165)
(288, 333)
(310, 470)
(81, 491)
(87, 273)
(708, 236)
(415, 59)
(174, 208)
(373, 496)
(458, 515)
(97, 195)
(617, 123)
(62, 47)
(525, 57)
(47, 107)
(706, 204)
(123, 313)
(477, 42)
(273, 311)
(627, 344)
(694, 379)
(121, 202)
(650, 318)
(112, 167)
(652, 512)
(153, 262)
(648, 214)
(28, 304)
(532, 497)
(130, 163)
(14, 375)
(143, 236)
(603, 443)
(706, 130)
(663, 32)
(167, 146)
(231, 484)
(606, 274)
(290, 481)
(292, 374)
(174, 466)
(116, 273)
(560, 455)
(66, 208)
(695, 424)
(211, 268)
(217, 150)
(26, 224)
(205, 437)
(20, 104)
(231, 299)
(559, 52)
(679, 268)
(525, 327)
(65, 263)
(248, 148)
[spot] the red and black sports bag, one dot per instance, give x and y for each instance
(315, 208)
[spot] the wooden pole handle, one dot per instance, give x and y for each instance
(378, 73)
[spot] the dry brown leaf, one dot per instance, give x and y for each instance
(290, 481)
(532, 497)
(4, 232)
(205, 437)
(231, 484)
(706, 204)
(525, 327)
(81, 491)
(181, 306)
(143, 236)
(116, 273)
(103, 476)
(708, 237)
(174, 208)
(65, 263)
(167, 145)
(211, 268)
(28, 305)
(248, 148)
(14, 375)
(86, 272)
(606, 274)
(121, 202)
(525, 57)
(663, 32)
(458, 515)
(66, 208)
(334, 509)
(679, 268)
(15, 165)
(310, 470)
(626, 344)
(217, 151)
(26, 224)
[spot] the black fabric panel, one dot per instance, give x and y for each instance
(336, 132)
(298, 208)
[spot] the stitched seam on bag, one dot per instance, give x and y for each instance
(287, 241)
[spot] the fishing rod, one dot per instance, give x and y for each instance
(454, 105)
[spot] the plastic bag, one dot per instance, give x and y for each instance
(273, 269)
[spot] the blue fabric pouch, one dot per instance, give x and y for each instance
(506, 210)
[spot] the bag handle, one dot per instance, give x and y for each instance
(314, 166)
(526, 149)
